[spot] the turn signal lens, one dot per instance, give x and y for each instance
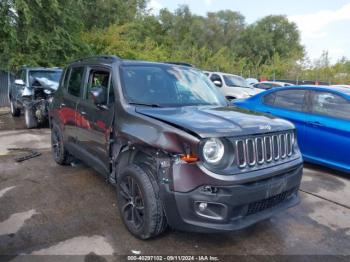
(189, 158)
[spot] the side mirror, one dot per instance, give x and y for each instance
(217, 83)
(99, 96)
(19, 82)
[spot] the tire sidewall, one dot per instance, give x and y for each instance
(30, 119)
(149, 193)
(12, 106)
(61, 158)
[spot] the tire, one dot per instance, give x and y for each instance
(30, 119)
(139, 203)
(14, 110)
(59, 153)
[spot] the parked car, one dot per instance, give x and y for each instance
(32, 91)
(232, 86)
(321, 116)
(266, 85)
(345, 86)
(252, 81)
(177, 152)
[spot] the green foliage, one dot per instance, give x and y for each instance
(52, 33)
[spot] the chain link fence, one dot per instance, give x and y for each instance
(6, 78)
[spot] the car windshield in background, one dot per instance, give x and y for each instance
(168, 86)
(231, 80)
(49, 75)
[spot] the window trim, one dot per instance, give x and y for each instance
(311, 100)
(305, 107)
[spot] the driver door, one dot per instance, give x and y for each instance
(94, 122)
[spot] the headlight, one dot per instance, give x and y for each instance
(48, 92)
(213, 151)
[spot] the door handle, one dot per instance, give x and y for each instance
(83, 113)
(315, 123)
(62, 105)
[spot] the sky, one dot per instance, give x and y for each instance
(324, 24)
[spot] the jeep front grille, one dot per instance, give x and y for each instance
(263, 149)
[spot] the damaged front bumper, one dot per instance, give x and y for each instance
(212, 207)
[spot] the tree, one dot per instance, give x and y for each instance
(269, 36)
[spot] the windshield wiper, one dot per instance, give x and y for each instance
(144, 104)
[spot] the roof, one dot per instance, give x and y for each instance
(42, 68)
(274, 82)
(343, 90)
(228, 74)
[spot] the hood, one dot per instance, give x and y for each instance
(217, 121)
(45, 83)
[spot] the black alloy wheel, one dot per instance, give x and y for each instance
(132, 202)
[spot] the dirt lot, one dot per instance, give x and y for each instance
(53, 210)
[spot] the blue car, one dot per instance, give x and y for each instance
(321, 116)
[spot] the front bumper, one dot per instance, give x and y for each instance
(232, 207)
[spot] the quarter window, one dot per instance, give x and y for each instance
(288, 99)
(74, 84)
(329, 104)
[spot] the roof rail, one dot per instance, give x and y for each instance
(107, 57)
(179, 63)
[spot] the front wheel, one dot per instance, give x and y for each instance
(30, 119)
(14, 110)
(139, 203)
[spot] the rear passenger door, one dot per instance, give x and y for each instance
(290, 104)
(94, 123)
(72, 93)
(328, 128)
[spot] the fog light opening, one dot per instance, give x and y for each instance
(210, 210)
(202, 206)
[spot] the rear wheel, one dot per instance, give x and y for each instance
(14, 110)
(139, 203)
(30, 119)
(59, 152)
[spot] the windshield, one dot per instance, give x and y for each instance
(49, 75)
(172, 86)
(231, 80)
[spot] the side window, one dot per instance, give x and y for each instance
(329, 104)
(97, 79)
(288, 99)
(74, 84)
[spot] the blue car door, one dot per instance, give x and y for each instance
(328, 130)
(289, 104)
